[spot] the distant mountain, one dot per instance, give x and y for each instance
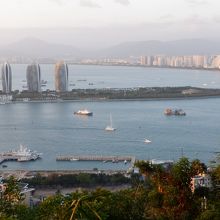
(32, 47)
(178, 47)
(36, 48)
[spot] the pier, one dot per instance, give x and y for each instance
(112, 159)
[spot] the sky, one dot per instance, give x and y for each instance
(109, 22)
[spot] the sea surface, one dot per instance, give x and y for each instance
(87, 76)
(53, 129)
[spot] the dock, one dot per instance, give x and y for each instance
(7, 158)
(100, 158)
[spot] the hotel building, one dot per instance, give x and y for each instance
(6, 78)
(61, 77)
(33, 76)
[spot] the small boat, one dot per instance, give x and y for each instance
(4, 166)
(83, 112)
(74, 159)
(146, 141)
(178, 112)
(110, 127)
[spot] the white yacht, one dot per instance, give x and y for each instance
(83, 112)
(110, 127)
(146, 141)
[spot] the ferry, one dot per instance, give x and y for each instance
(84, 112)
(178, 112)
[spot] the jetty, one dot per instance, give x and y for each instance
(100, 158)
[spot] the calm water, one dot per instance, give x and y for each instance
(121, 77)
(51, 128)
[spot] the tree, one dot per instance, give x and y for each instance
(10, 198)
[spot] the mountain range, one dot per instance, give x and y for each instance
(36, 48)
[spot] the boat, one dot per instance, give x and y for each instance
(84, 112)
(146, 141)
(178, 112)
(74, 159)
(24, 154)
(4, 166)
(110, 127)
(43, 83)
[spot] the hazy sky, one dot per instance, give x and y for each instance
(96, 13)
(128, 19)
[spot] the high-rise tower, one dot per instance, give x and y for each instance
(6, 78)
(61, 77)
(33, 76)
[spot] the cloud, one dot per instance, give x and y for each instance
(89, 4)
(196, 2)
(59, 2)
(216, 19)
(123, 2)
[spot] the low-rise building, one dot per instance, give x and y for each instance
(201, 180)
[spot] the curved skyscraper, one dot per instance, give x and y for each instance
(33, 76)
(6, 78)
(61, 77)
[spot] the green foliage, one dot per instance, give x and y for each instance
(169, 197)
(10, 198)
(77, 180)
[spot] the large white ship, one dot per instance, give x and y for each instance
(22, 154)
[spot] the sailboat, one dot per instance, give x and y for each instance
(110, 127)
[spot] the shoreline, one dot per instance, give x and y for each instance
(119, 100)
(110, 95)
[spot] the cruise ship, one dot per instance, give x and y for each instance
(83, 112)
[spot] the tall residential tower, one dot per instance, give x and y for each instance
(33, 76)
(61, 77)
(6, 78)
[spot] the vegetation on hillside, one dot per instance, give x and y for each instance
(157, 194)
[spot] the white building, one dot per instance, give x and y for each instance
(201, 180)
